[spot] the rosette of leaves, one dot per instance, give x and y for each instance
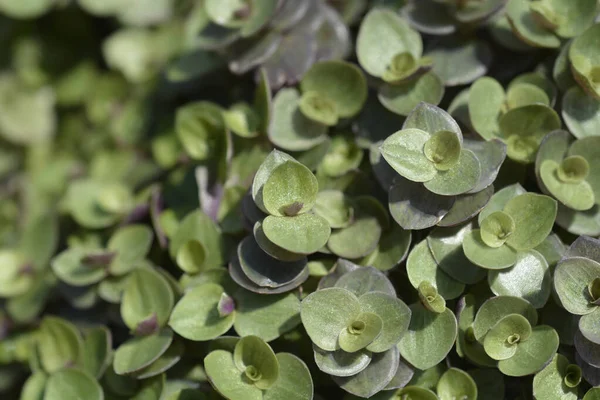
(558, 380)
(355, 322)
(511, 226)
(544, 23)
(445, 17)
(281, 37)
(520, 116)
(330, 91)
(213, 304)
(69, 361)
(83, 265)
(286, 191)
(507, 328)
(397, 61)
(448, 176)
(247, 368)
(568, 169)
(576, 279)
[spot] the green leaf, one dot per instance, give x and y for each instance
(534, 217)
(267, 317)
(341, 363)
(326, 313)
(291, 189)
(523, 129)
(525, 26)
(60, 344)
(374, 54)
(139, 352)
(271, 248)
(361, 332)
(496, 228)
(226, 378)
(421, 267)
(523, 94)
(417, 392)
(580, 112)
(343, 155)
(359, 238)
(430, 298)
(532, 354)
(500, 199)
(447, 250)
(583, 55)
(456, 384)
(588, 149)
(97, 351)
(374, 378)
(335, 207)
(242, 120)
(151, 389)
(163, 363)
(403, 98)
(294, 383)
(496, 308)
(430, 118)
(302, 234)
(529, 278)
(196, 315)
(592, 394)
(430, 337)
(70, 266)
(289, 128)
(391, 249)
(503, 339)
(131, 244)
(72, 384)
(575, 195)
(82, 199)
(459, 179)
(272, 161)
(549, 383)
(264, 270)
(364, 280)
(486, 99)
(588, 326)
(147, 296)
(257, 361)
(414, 207)
(443, 149)
(34, 386)
(199, 127)
(404, 151)
(341, 82)
(394, 314)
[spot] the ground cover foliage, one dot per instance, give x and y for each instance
(299, 199)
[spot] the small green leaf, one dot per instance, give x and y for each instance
(326, 313)
(289, 129)
(341, 82)
(196, 316)
(532, 354)
(525, 26)
(584, 60)
(443, 150)
(271, 248)
(291, 189)
(226, 378)
(341, 363)
(479, 253)
(335, 207)
(496, 228)
(551, 382)
(430, 337)
(72, 384)
(97, 351)
(60, 344)
(529, 278)
(404, 151)
(421, 267)
(500, 199)
(522, 94)
(374, 377)
(580, 112)
(319, 108)
(364, 280)
(358, 239)
(361, 332)
(71, 267)
(502, 340)
(570, 190)
(404, 97)
(374, 54)
(294, 383)
(139, 352)
(459, 179)
(302, 234)
(534, 217)
(430, 298)
(456, 384)
(147, 295)
(257, 361)
(486, 99)
(131, 244)
(496, 308)
(394, 314)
